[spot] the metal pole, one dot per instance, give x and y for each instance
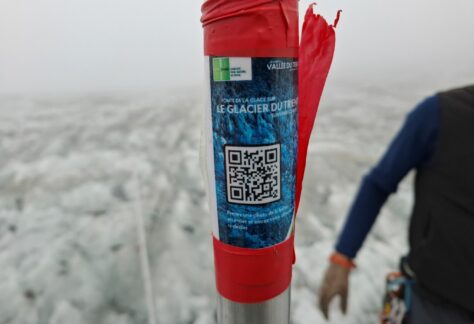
(273, 311)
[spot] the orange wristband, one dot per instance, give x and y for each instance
(342, 260)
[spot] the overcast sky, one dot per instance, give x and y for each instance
(110, 45)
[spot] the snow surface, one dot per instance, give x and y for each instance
(74, 169)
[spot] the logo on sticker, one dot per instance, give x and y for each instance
(232, 69)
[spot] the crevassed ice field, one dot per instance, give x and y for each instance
(78, 174)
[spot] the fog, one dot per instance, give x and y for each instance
(57, 46)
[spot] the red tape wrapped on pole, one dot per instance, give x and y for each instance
(253, 275)
(264, 96)
(250, 28)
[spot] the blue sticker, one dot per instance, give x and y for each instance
(254, 128)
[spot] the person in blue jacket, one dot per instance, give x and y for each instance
(437, 140)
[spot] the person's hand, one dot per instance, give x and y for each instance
(336, 283)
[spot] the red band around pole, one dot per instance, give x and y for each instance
(253, 275)
(258, 28)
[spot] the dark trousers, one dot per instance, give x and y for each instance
(425, 312)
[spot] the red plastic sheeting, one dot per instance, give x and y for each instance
(318, 41)
(268, 28)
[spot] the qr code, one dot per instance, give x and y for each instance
(253, 174)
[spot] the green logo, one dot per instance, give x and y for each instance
(221, 68)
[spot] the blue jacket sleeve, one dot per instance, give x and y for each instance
(411, 148)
